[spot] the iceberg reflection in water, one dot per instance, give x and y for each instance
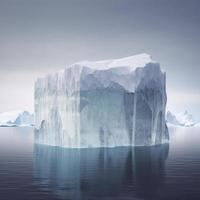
(100, 173)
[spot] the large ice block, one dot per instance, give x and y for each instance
(108, 103)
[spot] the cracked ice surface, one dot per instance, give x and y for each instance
(107, 103)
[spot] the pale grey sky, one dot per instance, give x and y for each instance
(40, 36)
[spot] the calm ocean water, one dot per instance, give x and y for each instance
(30, 172)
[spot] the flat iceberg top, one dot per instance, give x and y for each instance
(125, 73)
(125, 64)
(133, 62)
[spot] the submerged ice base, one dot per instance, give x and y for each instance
(102, 104)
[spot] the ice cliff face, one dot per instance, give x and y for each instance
(102, 104)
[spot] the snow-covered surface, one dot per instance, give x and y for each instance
(181, 119)
(16, 118)
(197, 125)
(132, 62)
(108, 103)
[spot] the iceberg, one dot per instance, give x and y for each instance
(184, 119)
(16, 118)
(24, 119)
(119, 102)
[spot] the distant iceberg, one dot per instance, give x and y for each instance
(16, 118)
(181, 119)
(107, 103)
